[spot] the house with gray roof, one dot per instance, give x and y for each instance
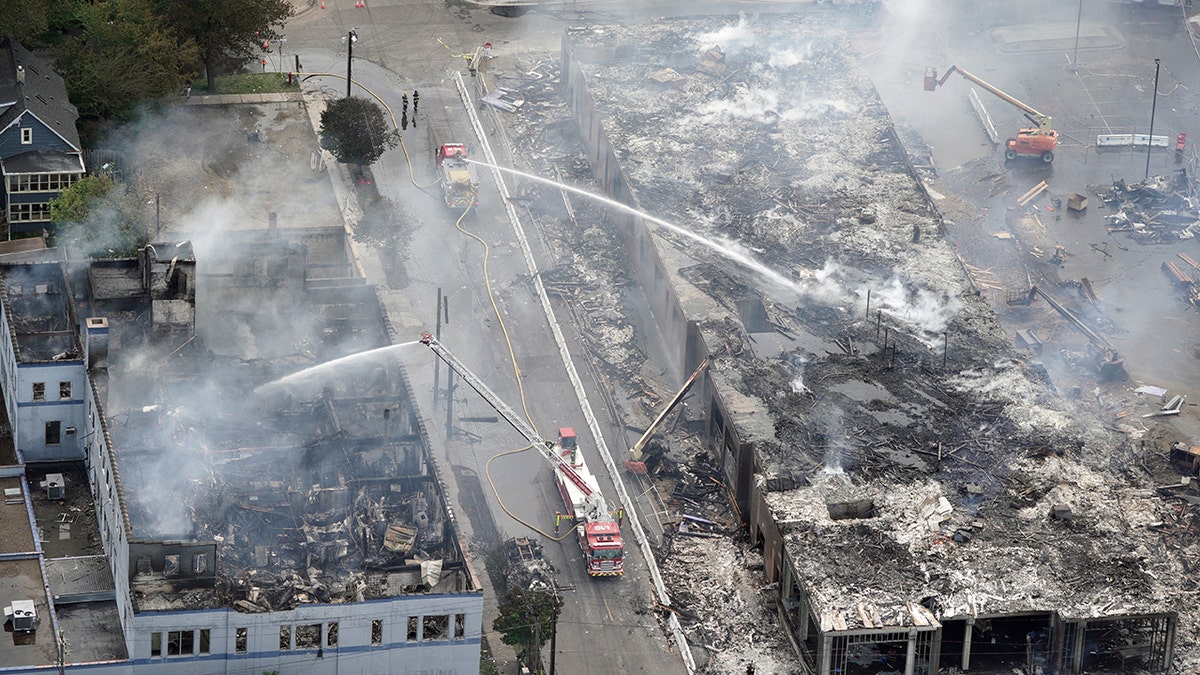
(40, 154)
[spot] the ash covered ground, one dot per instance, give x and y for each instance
(776, 146)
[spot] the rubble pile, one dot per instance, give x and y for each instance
(1160, 209)
(922, 467)
(723, 602)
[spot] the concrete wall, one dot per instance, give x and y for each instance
(354, 652)
(29, 424)
(684, 349)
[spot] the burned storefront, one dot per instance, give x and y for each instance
(921, 495)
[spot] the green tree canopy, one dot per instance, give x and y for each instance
(353, 129)
(226, 30)
(100, 218)
(24, 20)
(523, 613)
(122, 53)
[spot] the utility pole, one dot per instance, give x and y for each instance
(1153, 105)
(351, 38)
(1075, 57)
(437, 333)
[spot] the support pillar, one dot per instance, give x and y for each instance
(1077, 652)
(966, 656)
(910, 658)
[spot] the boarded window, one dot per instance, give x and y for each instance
(39, 391)
(308, 636)
(53, 433)
(64, 391)
(285, 638)
(434, 627)
(377, 632)
(155, 645)
(460, 626)
(143, 565)
(239, 641)
(171, 569)
(412, 629)
(331, 634)
(205, 640)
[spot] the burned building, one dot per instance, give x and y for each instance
(250, 486)
(922, 496)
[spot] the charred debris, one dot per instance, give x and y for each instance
(911, 478)
(283, 485)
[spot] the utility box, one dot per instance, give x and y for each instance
(1077, 202)
(56, 487)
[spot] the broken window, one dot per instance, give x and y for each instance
(377, 632)
(143, 565)
(239, 641)
(205, 640)
(460, 626)
(199, 563)
(179, 642)
(53, 432)
(39, 391)
(331, 634)
(412, 629)
(308, 636)
(64, 391)
(155, 645)
(171, 569)
(434, 627)
(285, 638)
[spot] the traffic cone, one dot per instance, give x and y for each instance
(322, 4)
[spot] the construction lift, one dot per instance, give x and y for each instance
(1038, 141)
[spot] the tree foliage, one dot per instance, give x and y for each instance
(523, 613)
(100, 218)
(24, 20)
(122, 53)
(353, 129)
(226, 30)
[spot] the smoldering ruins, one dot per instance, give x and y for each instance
(922, 493)
(295, 483)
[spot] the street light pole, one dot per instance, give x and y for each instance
(1153, 105)
(351, 37)
(1075, 57)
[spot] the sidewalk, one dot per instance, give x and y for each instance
(232, 99)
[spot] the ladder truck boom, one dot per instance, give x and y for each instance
(594, 500)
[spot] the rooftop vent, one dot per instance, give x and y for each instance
(21, 74)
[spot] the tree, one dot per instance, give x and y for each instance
(24, 20)
(353, 129)
(99, 217)
(525, 613)
(226, 30)
(121, 54)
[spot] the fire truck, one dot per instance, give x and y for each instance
(597, 527)
(460, 187)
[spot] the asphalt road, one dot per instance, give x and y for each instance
(605, 626)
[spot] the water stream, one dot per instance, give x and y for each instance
(338, 365)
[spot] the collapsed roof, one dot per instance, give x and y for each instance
(917, 465)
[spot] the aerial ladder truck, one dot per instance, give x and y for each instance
(1038, 141)
(597, 529)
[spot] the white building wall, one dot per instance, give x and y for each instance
(32, 416)
(354, 652)
(8, 367)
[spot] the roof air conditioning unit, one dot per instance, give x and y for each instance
(56, 487)
(23, 615)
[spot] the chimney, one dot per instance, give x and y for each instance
(95, 342)
(21, 74)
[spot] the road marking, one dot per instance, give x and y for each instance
(1093, 100)
(610, 618)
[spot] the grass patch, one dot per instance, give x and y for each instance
(246, 83)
